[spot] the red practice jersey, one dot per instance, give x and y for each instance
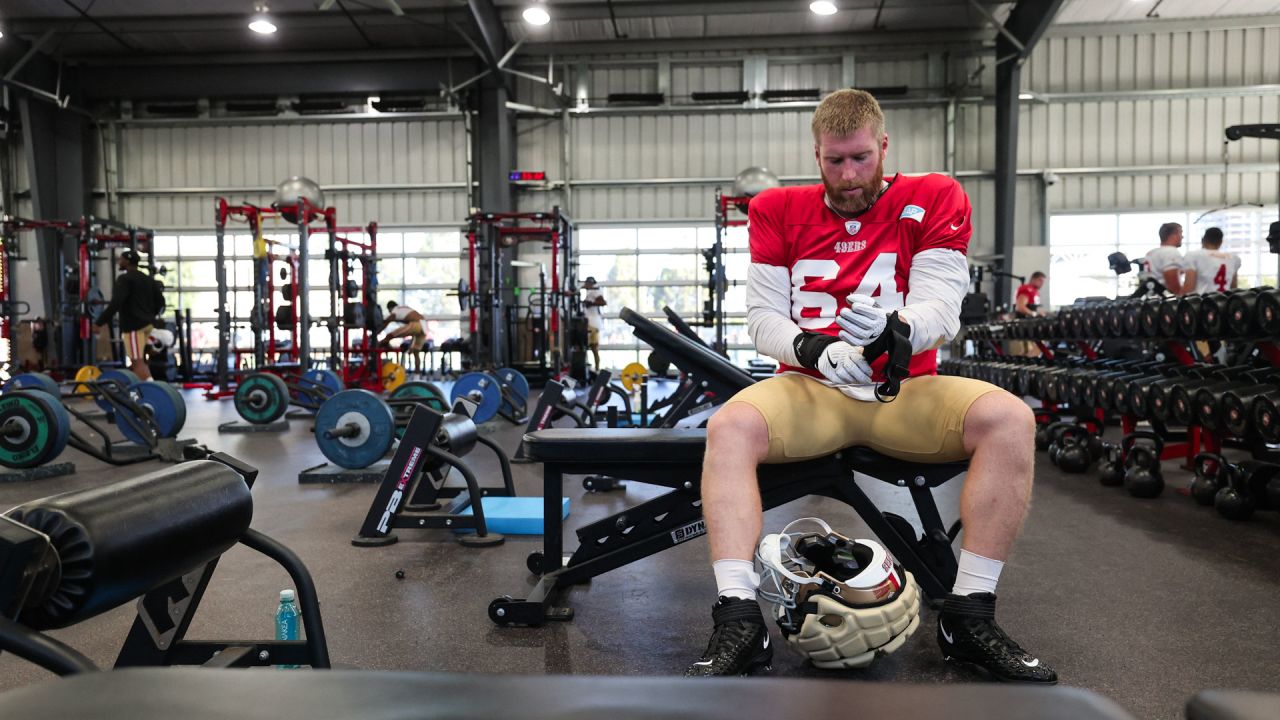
(830, 257)
(1031, 293)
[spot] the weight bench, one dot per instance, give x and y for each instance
(673, 458)
(150, 694)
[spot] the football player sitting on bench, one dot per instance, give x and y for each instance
(836, 268)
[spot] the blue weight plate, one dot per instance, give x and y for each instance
(163, 406)
(33, 381)
(481, 390)
(372, 419)
(41, 425)
(123, 380)
(517, 386)
(326, 381)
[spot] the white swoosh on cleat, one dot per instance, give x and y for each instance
(766, 643)
(1034, 663)
(703, 663)
(946, 635)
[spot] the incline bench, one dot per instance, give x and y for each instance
(673, 458)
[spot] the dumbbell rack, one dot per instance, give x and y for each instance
(1175, 324)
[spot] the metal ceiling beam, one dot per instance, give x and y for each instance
(492, 32)
(600, 11)
(268, 79)
(1022, 30)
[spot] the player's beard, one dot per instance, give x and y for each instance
(855, 203)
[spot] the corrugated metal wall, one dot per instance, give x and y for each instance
(1110, 152)
(370, 168)
(1117, 124)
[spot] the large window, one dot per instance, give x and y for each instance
(415, 267)
(647, 268)
(1079, 246)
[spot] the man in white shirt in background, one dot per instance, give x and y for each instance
(1165, 263)
(411, 325)
(592, 301)
(1209, 269)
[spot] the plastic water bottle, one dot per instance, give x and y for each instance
(287, 619)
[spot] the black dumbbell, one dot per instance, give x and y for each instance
(1213, 315)
(1133, 318)
(1268, 312)
(1159, 393)
(1115, 317)
(1241, 317)
(1212, 408)
(1149, 317)
(1189, 316)
(1168, 317)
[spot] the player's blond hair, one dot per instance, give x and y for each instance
(844, 112)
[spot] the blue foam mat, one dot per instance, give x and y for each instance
(515, 515)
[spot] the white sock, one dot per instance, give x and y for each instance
(736, 579)
(977, 574)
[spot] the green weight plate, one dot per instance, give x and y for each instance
(262, 398)
(365, 425)
(34, 428)
(432, 396)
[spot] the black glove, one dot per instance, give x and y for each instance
(895, 342)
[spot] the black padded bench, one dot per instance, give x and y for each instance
(673, 458)
(247, 695)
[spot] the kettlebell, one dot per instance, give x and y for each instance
(1210, 469)
(1074, 456)
(1142, 475)
(1258, 477)
(1043, 421)
(1055, 439)
(1233, 501)
(1111, 467)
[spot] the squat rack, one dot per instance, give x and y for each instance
(717, 282)
(343, 253)
(79, 291)
(488, 235)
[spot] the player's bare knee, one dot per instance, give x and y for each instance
(999, 417)
(738, 428)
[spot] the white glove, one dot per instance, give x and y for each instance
(861, 322)
(842, 364)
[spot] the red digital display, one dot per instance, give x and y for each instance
(528, 175)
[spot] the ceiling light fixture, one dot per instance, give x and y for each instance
(261, 22)
(823, 7)
(536, 14)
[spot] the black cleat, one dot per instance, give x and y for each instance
(968, 632)
(740, 644)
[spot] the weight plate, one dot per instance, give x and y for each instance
(262, 398)
(33, 381)
(392, 375)
(88, 373)
(516, 399)
(164, 408)
(481, 390)
(34, 428)
(632, 375)
(430, 395)
(120, 379)
(367, 416)
(326, 382)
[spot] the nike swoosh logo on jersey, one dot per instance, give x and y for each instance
(957, 227)
(945, 635)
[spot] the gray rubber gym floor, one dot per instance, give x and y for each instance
(1143, 601)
